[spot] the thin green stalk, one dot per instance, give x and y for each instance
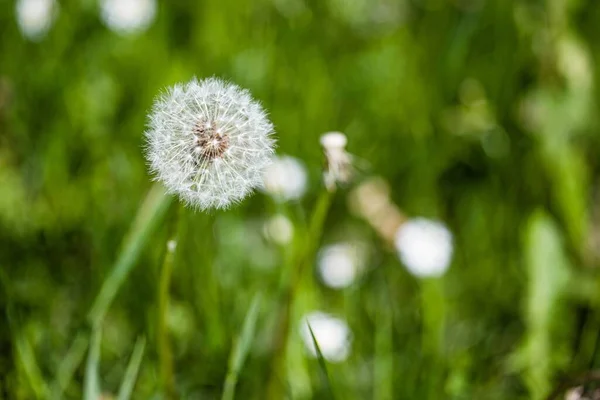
(91, 380)
(383, 368)
(322, 363)
(146, 221)
(242, 348)
(164, 347)
(302, 258)
(132, 370)
(69, 365)
(30, 367)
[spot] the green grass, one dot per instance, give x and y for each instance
(480, 114)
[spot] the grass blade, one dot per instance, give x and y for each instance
(69, 364)
(146, 221)
(322, 363)
(92, 382)
(242, 348)
(132, 370)
(28, 363)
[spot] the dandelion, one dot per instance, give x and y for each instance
(128, 16)
(425, 247)
(209, 142)
(286, 178)
(339, 162)
(331, 333)
(340, 264)
(35, 17)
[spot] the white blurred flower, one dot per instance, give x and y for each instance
(128, 16)
(286, 178)
(35, 17)
(339, 162)
(424, 246)
(332, 335)
(209, 142)
(279, 229)
(339, 264)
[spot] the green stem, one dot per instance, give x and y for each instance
(165, 354)
(146, 221)
(301, 259)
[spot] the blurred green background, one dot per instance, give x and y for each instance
(478, 113)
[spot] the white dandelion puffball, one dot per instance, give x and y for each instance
(339, 264)
(286, 178)
(209, 142)
(424, 246)
(332, 335)
(128, 16)
(35, 17)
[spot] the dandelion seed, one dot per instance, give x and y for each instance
(209, 142)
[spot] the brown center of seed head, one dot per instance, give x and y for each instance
(209, 141)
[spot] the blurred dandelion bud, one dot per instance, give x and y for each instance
(209, 142)
(424, 246)
(338, 167)
(285, 178)
(331, 333)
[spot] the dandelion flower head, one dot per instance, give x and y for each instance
(209, 142)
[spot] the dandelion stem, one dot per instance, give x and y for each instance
(303, 256)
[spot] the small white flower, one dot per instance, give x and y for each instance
(332, 335)
(339, 264)
(424, 246)
(128, 16)
(35, 17)
(339, 162)
(209, 142)
(286, 178)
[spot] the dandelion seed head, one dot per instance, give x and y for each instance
(35, 17)
(339, 161)
(331, 333)
(339, 264)
(128, 16)
(209, 142)
(286, 178)
(333, 140)
(424, 246)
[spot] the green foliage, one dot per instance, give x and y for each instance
(479, 113)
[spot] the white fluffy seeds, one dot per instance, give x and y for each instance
(331, 333)
(286, 178)
(209, 142)
(35, 17)
(425, 247)
(128, 16)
